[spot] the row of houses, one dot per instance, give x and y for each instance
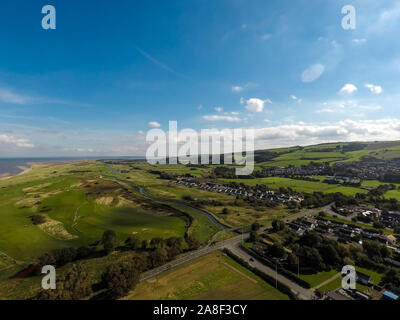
(240, 191)
(342, 232)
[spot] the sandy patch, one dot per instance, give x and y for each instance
(76, 185)
(36, 188)
(105, 200)
(56, 229)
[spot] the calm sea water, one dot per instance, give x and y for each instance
(11, 165)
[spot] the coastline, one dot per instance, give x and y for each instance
(8, 176)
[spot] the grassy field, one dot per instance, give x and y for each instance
(318, 278)
(337, 283)
(299, 185)
(214, 276)
(79, 204)
(392, 194)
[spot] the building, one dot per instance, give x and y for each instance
(387, 295)
(363, 279)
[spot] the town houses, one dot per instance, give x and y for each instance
(238, 191)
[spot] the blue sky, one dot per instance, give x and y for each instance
(114, 69)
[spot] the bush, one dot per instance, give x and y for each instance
(120, 278)
(109, 241)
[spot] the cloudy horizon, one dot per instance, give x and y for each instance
(286, 69)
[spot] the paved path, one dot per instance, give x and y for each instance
(327, 281)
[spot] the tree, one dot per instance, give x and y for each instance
(157, 258)
(392, 277)
(132, 243)
(109, 241)
(255, 226)
(120, 278)
(156, 242)
(277, 250)
(253, 236)
(278, 225)
(193, 243)
(74, 286)
(225, 211)
(144, 244)
(174, 242)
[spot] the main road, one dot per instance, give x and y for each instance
(233, 244)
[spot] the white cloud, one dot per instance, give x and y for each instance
(199, 107)
(221, 118)
(346, 106)
(256, 105)
(346, 130)
(312, 73)
(18, 142)
(237, 89)
(154, 124)
(294, 98)
(348, 89)
(265, 36)
(141, 132)
(218, 109)
(12, 97)
(359, 42)
(373, 88)
(388, 20)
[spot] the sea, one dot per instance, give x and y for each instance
(11, 165)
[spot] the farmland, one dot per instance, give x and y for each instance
(210, 277)
(299, 185)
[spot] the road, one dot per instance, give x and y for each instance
(302, 293)
(233, 245)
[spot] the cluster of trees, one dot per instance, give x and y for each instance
(319, 199)
(391, 278)
(60, 257)
(317, 253)
(121, 276)
(74, 285)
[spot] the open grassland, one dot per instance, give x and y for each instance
(392, 194)
(237, 216)
(78, 202)
(214, 276)
(29, 287)
(299, 185)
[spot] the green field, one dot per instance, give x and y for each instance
(299, 185)
(211, 277)
(337, 283)
(318, 278)
(58, 192)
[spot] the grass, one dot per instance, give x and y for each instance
(337, 283)
(318, 278)
(392, 194)
(211, 277)
(54, 189)
(299, 185)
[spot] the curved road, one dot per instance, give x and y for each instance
(232, 244)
